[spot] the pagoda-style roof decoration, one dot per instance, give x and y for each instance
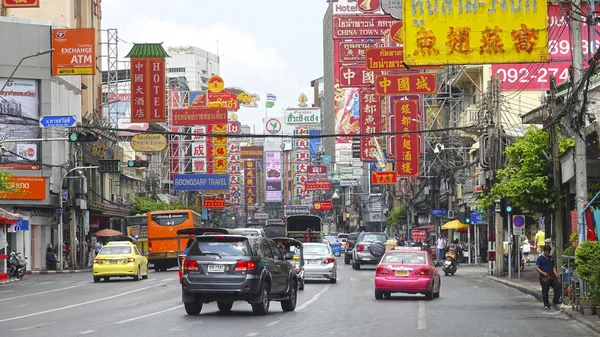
(147, 50)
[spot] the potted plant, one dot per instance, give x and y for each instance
(587, 256)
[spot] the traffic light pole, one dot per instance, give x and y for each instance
(60, 222)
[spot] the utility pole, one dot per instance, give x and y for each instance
(580, 146)
(558, 211)
(496, 161)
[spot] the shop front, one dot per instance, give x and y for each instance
(6, 219)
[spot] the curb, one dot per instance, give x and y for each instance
(12, 280)
(538, 296)
(44, 272)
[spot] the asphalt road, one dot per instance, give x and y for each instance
(470, 305)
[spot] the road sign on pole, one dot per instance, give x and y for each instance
(57, 121)
(518, 221)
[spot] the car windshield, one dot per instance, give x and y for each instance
(225, 246)
(353, 236)
(343, 236)
(373, 237)
(316, 250)
(115, 250)
(404, 257)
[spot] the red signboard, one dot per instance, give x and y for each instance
(322, 185)
(386, 58)
(370, 122)
(418, 234)
(383, 178)
(148, 88)
(322, 205)
(397, 32)
(214, 203)
(20, 3)
(251, 152)
(405, 84)
(250, 183)
(370, 6)
(317, 172)
(198, 115)
(357, 76)
(406, 114)
(355, 26)
(224, 99)
(353, 52)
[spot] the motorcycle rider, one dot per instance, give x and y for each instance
(456, 247)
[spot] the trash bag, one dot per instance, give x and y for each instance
(377, 248)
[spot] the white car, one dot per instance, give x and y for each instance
(320, 263)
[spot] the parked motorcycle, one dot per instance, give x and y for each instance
(17, 265)
(449, 266)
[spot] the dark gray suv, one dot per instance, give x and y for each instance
(362, 253)
(228, 268)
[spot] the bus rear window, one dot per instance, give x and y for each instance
(171, 219)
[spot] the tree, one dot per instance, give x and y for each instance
(143, 205)
(397, 217)
(6, 185)
(526, 179)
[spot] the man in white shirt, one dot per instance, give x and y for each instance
(441, 247)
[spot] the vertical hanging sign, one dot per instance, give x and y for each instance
(148, 90)
(250, 183)
(406, 114)
(370, 122)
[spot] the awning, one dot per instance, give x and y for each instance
(8, 217)
(454, 225)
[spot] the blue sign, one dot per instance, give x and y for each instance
(518, 221)
(21, 225)
(478, 219)
(57, 121)
(439, 212)
(65, 194)
(326, 159)
(201, 182)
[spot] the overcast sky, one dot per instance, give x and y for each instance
(265, 46)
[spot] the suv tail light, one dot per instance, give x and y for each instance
(360, 248)
(329, 260)
(190, 265)
(381, 270)
(422, 271)
(243, 266)
(129, 259)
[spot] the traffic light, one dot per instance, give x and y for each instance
(109, 166)
(509, 207)
(468, 218)
(82, 137)
(137, 163)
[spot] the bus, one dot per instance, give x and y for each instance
(275, 228)
(162, 235)
(137, 227)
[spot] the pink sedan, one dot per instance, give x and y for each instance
(407, 271)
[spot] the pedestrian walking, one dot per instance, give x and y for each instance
(545, 266)
(441, 248)
(526, 249)
(540, 241)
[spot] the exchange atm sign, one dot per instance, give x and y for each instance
(74, 51)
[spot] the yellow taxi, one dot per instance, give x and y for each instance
(120, 259)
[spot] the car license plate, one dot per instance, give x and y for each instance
(216, 268)
(401, 272)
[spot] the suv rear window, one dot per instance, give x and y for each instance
(223, 246)
(371, 237)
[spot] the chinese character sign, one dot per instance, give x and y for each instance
(370, 122)
(465, 32)
(273, 176)
(219, 149)
(383, 178)
(301, 156)
(250, 183)
(405, 84)
(406, 114)
(148, 90)
(233, 168)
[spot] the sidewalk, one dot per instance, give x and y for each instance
(66, 271)
(529, 283)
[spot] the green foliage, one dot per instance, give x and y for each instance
(526, 177)
(5, 184)
(587, 256)
(565, 143)
(397, 217)
(574, 237)
(569, 251)
(143, 205)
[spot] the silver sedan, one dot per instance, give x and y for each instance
(320, 263)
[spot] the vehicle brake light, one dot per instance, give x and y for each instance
(130, 259)
(219, 237)
(360, 248)
(422, 271)
(329, 260)
(190, 265)
(97, 261)
(242, 266)
(381, 270)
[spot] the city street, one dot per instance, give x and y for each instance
(470, 305)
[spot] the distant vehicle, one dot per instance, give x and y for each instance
(275, 228)
(120, 259)
(136, 226)
(320, 262)
(349, 246)
(407, 271)
(247, 231)
(255, 225)
(363, 252)
(305, 228)
(229, 268)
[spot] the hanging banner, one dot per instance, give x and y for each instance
(354, 52)
(148, 90)
(250, 184)
(357, 76)
(198, 115)
(323, 185)
(316, 173)
(370, 122)
(219, 149)
(406, 116)
(405, 84)
(74, 51)
(273, 176)
(213, 203)
(383, 178)
(251, 152)
(360, 26)
(461, 32)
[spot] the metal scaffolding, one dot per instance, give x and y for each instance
(112, 84)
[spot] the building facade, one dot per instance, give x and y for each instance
(195, 64)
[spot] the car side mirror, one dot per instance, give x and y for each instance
(146, 254)
(289, 256)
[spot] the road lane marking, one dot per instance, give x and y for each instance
(85, 332)
(45, 283)
(149, 315)
(40, 293)
(314, 298)
(252, 334)
(422, 322)
(76, 305)
(34, 326)
(6, 291)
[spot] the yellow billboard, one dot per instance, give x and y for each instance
(441, 32)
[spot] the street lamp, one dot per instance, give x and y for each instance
(41, 52)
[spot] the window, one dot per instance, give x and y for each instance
(77, 9)
(405, 258)
(115, 250)
(137, 252)
(176, 70)
(266, 249)
(276, 252)
(470, 94)
(316, 249)
(170, 219)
